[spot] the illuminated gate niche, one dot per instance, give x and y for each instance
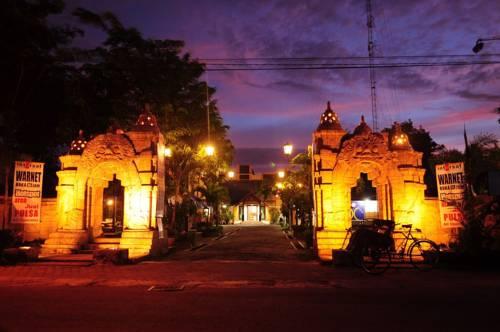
(129, 161)
(389, 162)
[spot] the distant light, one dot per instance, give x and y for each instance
(167, 152)
(230, 174)
(209, 150)
(300, 185)
(287, 149)
(281, 174)
(224, 206)
(110, 202)
(279, 185)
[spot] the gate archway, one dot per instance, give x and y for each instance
(339, 158)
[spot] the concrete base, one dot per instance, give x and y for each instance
(64, 242)
(327, 240)
(141, 243)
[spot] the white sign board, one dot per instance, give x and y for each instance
(27, 197)
(451, 188)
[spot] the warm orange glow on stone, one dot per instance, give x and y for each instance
(127, 157)
(394, 169)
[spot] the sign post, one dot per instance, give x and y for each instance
(451, 190)
(27, 195)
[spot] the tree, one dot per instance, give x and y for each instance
(215, 194)
(127, 71)
(484, 156)
(32, 81)
(297, 188)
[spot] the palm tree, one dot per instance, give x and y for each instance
(214, 194)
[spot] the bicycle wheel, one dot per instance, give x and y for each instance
(424, 255)
(375, 260)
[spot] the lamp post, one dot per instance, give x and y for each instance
(209, 148)
(480, 43)
(287, 150)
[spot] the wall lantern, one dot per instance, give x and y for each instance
(167, 152)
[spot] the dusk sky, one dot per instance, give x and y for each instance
(265, 109)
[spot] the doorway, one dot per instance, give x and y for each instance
(113, 197)
(364, 203)
(253, 213)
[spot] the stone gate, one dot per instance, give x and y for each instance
(390, 163)
(89, 207)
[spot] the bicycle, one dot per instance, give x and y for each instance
(373, 248)
(422, 253)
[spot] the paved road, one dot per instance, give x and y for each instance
(249, 241)
(251, 280)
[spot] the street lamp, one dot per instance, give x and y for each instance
(281, 174)
(287, 149)
(230, 174)
(480, 43)
(209, 150)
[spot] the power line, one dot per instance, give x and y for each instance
(251, 67)
(208, 60)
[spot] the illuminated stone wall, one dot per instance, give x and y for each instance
(391, 164)
(132, 157)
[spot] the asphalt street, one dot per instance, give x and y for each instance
(252, 279)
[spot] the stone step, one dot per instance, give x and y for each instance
(97, 246)
(69, 258)
(107, 240)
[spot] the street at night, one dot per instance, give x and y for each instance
(272, 165)
(252, 280)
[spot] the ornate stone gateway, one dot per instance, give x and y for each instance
(112, 185)
(389, 162)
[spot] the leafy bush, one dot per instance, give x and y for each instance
(227, 216)
(274, 214)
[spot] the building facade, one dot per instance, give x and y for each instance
(251, 195)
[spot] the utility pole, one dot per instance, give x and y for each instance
(371, 54)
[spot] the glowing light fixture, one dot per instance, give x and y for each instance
(281, 174)
(287, 149)
(110, 202)
(167, 152)
(230, 174)
(209, 150)
(279, 185)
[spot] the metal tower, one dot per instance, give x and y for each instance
(371, 54)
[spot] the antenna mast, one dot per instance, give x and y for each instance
(371, 54)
